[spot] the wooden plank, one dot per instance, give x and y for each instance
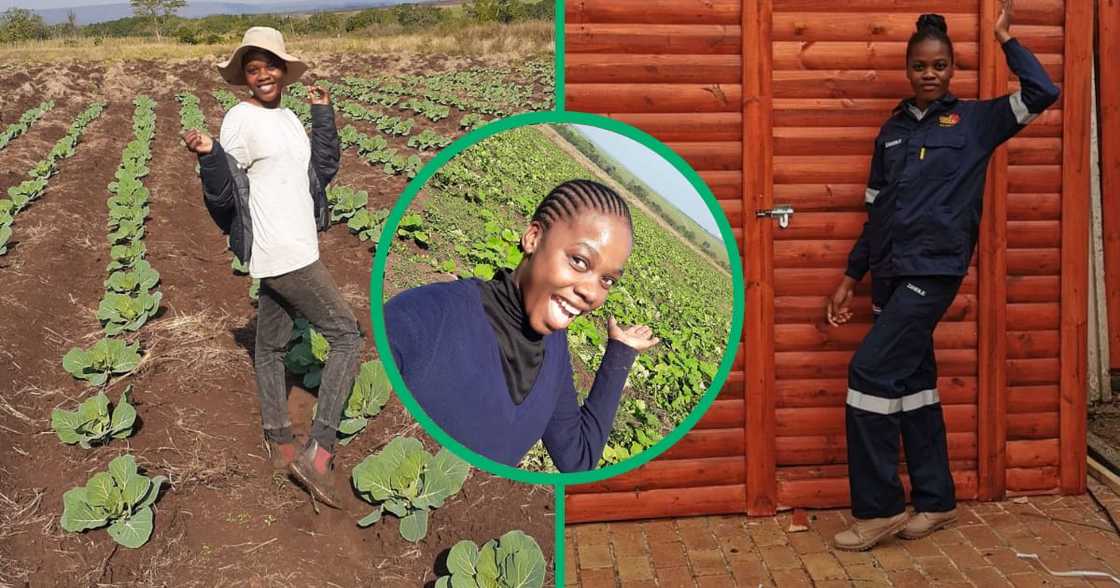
(820, 450)
(943, 6)
(699, 126)
(803, 422)
(1036, 262)
(1032, 344)
(794, 281)
(802, 365)
(725, 413)
(1025, 207)
(810, 309)
(671, 473)
(1032, 453)
(849, 55)
(653, 11)
(652, 39)
(833, 492)
(1034, 316)
(824, 140)
(703, 443)
(848, 84)
(1035, 178)
(609, 98)
(1033, 425)
(992, 258)
(683, 502)
(711, 156)
(757, 164)
(1025, 399)
(849, 26)
(801, 336)
(1075, 243)
(1023, 372)
(646, 69)
(1032, 479)
(1033, 234)
(1108, 129)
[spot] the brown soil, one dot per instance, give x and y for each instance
(225, 520)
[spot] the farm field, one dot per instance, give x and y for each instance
(222, 518)
(467, 221)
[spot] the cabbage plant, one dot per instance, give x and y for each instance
(121, 498)
(93, 421)
(512, 561)
(367, 398)
(407, 481)
(124, 312)
(107, 356)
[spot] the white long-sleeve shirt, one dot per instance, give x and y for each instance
(272, 147)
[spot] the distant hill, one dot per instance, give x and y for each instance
(105, 12)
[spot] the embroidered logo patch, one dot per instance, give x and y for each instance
(949, 120)
(890, 144)
(916, 289)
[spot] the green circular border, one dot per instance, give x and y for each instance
(381, 340)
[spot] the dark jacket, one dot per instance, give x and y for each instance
(225, 187)
(926, 185)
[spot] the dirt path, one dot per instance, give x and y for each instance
(225, 520)
(570, 149)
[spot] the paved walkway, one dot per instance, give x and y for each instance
(725, 551)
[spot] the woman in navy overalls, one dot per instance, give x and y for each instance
(923, 199)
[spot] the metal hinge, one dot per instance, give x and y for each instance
(782, 212)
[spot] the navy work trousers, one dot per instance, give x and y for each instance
(892, 390)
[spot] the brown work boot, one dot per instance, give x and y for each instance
(924, 523)
(280, 454)
(865, 533)
(311, 470)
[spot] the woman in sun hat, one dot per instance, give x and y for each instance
(265, 185)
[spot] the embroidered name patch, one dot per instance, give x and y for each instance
(892, 143)
(949, 120)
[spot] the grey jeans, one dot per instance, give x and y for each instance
(311, 293)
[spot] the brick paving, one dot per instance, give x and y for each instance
(1068, 532)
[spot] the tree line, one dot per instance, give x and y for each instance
(159, 19)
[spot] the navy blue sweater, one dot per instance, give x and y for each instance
(447, 353)
(926, 185)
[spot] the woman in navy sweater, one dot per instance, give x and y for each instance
(923, 201)
(489, 361)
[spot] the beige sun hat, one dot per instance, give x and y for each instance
(270, 40)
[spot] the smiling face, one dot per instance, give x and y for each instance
(264, 74)
(929, 68)
(570, 267)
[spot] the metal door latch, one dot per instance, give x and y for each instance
(782, 212)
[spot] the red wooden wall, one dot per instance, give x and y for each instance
(809, 86)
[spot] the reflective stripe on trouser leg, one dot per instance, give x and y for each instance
(892, 391)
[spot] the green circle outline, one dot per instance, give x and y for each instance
(381, 340)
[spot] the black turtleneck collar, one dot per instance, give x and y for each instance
(521, 347)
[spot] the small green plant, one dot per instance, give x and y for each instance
(239, 267)
(367, 398)
(307, 353)
(123, 312)
(512, 561)
(121, 498)
(346, 202)
(107, 356)
(471, 120)
(93, 422)
(366, 223)
(411, 228)
(141, 278)
(407, 481)
(428, 139)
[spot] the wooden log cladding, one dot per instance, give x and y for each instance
(817, 450)
(652, 39)
(805, 365)
(1034, 206)
(721, 156)
(1034, 151)
(849, 26)
(842, 169)
(701, 126)
(1048, 124)
(795, 55)
(1034, 178)
(822, 197)
(1028, 399)
(858, 84)
(651, 69)
(818, 282)
(840, 471)
(1032, 453)
(1032, 316)
(654, 11)
(804, 336)
(608, 98)
(733, 210)
(672, 473)
(1034, 234)
(674, 502)
(1108, 100)
(725, 413)
(823, 226)
(832, 112)
(807, 309)
(1034, 262)
(1033, 371)
(1077, 100)
(825, 140)
(1032, 344)
(1032, 479)
(708, 443)
(833, 492)
(1035, 12)
(824, 393)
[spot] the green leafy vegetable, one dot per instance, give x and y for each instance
(514, 560)
(107, 356)
(124, 312)
(307, 353)
(120, 497)
(367, 398)
(93, 422)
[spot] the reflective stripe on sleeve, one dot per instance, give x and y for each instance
(869, 195)
(1022, 115)
(875, 404)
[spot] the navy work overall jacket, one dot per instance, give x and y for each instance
(926, 185)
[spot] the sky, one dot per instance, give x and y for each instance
(654, 171)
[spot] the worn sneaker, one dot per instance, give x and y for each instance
(866, 533)
(318, 484)
(280, 454)
(924, 523)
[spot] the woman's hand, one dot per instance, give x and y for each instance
(637, 337)
(1003, 21)
(839, 306)
(318, 95)
(198, 142)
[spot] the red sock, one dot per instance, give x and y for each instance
(288, 451)
(322, 460)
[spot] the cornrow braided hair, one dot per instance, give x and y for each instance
(930, 26)
(573, 196)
